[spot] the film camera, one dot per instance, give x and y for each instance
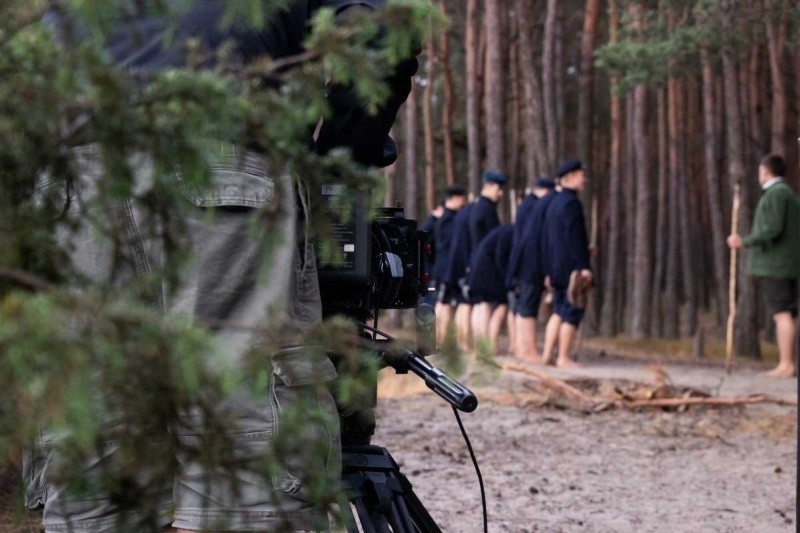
(384, 266)
(384, 261)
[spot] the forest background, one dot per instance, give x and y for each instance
(671, 104)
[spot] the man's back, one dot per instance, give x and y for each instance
(482, 220)
(460, 247)
(443, 238)
(527, 257)
(565, 244)
(489, 264)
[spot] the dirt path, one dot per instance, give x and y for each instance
(555, 470)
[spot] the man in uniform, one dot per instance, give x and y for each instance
(565, 249)
(526, 271)
(455, 200)
(453, 274)
(487, 284)
(429, 225)
(774, 246)
(483, 218)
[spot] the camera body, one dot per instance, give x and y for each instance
(384, 263)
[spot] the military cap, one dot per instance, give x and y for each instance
(546, 183)
(570, 165)
(494, 177)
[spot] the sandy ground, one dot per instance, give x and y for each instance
(551, 469)
(555, 470)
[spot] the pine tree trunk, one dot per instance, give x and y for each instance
(427, 126)
(629, 196)
(719, 247)
(473, 96)
(515, 119)
(585, 89)
(776, 42)
(559, 63)
(537, 159)
(656, 310)
(641, 279)
(685, 217)
(410, 135)
(495, 87)
(671, 291)
(609, 326)
(548, 81)
(746, 331)
(448, 103)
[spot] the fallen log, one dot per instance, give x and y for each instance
(711, 402)
(553, 383)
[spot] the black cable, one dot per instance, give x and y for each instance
(477, 470)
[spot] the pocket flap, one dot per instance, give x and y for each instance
(236, 181)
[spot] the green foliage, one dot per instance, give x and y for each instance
(76, 354)
(674, 33)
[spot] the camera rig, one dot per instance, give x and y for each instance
(384, 263)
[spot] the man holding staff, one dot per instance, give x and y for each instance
(774, 245)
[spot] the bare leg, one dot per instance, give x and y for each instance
(463, 315)
(481, 315)
(498, 318)
(785, 331)
(444, 317)
(566, 335)
(511, 327)
(526, 340)
(550, 338)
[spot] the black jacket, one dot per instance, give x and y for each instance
(443, 238)
(482, 220)
(565, 245)
(527, 257)
(457, 264)
(489, 266)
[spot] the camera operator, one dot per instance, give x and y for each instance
(222, 284)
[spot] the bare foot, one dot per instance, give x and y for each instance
(779, 372)
(567, 363)
(534, 358)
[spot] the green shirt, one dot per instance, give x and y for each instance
(774, 241)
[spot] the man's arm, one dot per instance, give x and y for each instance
(771, 216)
(350, 125)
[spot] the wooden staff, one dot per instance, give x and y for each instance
(737, 200)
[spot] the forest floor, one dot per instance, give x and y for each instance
(551, 468)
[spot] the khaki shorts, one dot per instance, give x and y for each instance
(223, 284)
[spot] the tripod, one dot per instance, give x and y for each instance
(382, 499)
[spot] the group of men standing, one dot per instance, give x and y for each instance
(487, 273)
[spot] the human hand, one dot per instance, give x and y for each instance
(735, 242)
(587, 275)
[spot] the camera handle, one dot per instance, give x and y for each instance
(405, 360)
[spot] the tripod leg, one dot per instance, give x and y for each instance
(421, 517)
(359, 521)
(401, 519)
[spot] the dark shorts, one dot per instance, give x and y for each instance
(489, 298)
(568, 312)
(780, 295)
(451, 295)
(530, 297)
